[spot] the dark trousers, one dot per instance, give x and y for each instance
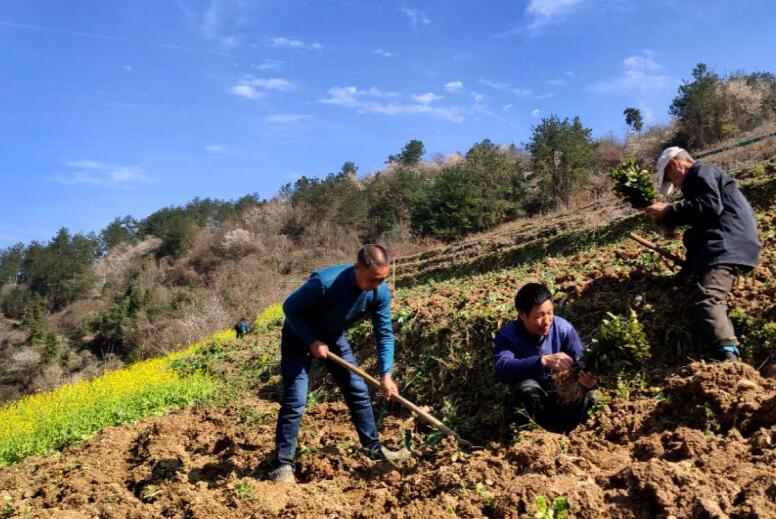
(542, 407)
(295, 363)
(709, 298)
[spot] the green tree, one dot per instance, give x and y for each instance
(111, 327)
(563, 154)
(15, 301)
(482, 191)
(410, 155)
(51, 347)
(175, 227)
(633, 119)
(33, 319)
(11, 260)
(61, 271)
(120, 230)
(698, 108)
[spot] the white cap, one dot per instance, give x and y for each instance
(669, 153)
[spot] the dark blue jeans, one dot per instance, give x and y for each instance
(295, 360)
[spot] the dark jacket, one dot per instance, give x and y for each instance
(723, 230)
(517, 354)
(330, 302)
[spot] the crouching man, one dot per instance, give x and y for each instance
(528, 351)
(317, 315)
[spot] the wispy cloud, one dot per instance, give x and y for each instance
(214, 148)
(545, 96)
(257, 87)
(507, 107)
(501, 85)
(101, 174)
(384, 53)
(128, 68)
(545, 12)
(222, 21)
(63, 32)
(428, 97)
(535, 113)
(378, 102)
(641, 75)
(498, 85)
(454, 86)
(290, 43)
(270, 64)
(556, 82)
(415, 16)
(286, 119)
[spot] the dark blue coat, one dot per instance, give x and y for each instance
(517, 354)
(723, 229)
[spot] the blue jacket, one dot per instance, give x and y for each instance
(517, 354)
(330, 302)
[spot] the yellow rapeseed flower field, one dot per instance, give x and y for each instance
(47, 422)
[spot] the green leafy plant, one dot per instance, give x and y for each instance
(243, 489)
(633, 184)
(558, 510)
(621, 348)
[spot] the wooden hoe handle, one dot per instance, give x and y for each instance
(657, 248)
(403, 401)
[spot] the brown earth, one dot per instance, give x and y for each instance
(705, 447)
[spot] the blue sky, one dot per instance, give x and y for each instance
(109, 108)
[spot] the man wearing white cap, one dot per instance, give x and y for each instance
(721, 241)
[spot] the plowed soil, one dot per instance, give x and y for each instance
(705, 447)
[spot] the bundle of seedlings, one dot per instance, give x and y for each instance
(633, 184)
(621, 348)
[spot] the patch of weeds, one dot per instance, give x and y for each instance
(254, 416)
(601, 401)
(558, 510)
(711, 426)
(244, 490)
(149, 493)
(7, 509)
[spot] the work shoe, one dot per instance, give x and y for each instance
(283, 474)
(727, 353)
(393, 457)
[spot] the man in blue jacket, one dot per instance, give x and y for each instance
(526, 354)
(721, 241)
(316, 316)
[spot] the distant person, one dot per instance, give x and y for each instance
(242, 327)
(528, 351)
(317, 315)
(721, 241)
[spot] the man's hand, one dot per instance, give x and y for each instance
(388, 386)
(557, 361)
(587, 379)
(656, 211)
(319, 350)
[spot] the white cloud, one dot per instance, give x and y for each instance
(641, 75)
(498, 85)
(478, 98)
(221, 22)
(522, 92)
(556, 82)
(428, 97)
(128, 68)
(257, 87)
(214, 148)
(286, 118)
(100, 174)
(545, 96)
(507, 107)
(387, 103)
(270, 64)
(415, 17)
(289, 43)
(454, 86)
(544, 12)
(535, 113)
(384, 53)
